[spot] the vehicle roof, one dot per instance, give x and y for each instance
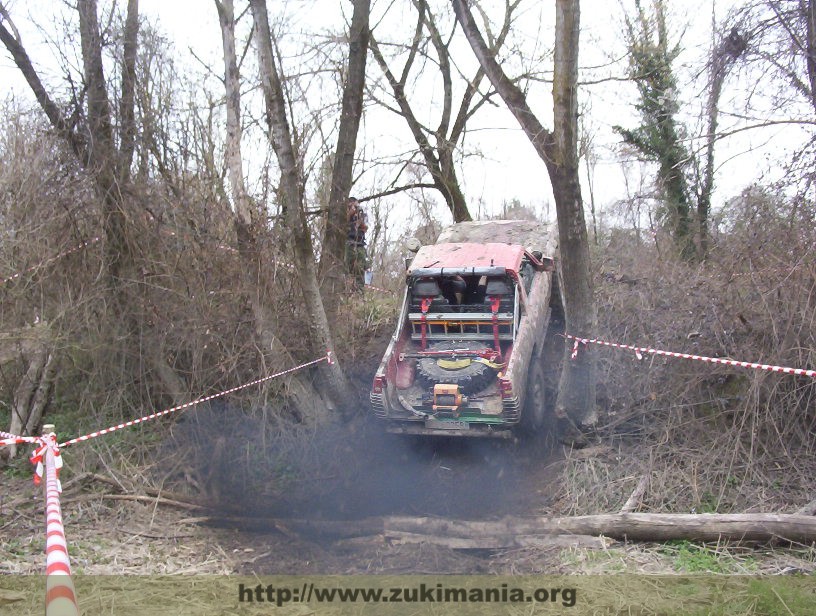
(531, 234)
(461, 255)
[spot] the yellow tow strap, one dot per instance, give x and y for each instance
(453, 364)
(458, 364)
(489, 363)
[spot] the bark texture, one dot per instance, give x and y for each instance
(34, 345)
(332, 266)
(540, 531)
(290, 195)
(305, 398)
(558, 149)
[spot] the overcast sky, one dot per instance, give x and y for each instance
(508, 168)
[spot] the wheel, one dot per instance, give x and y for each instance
(535, 413)
(471, 378)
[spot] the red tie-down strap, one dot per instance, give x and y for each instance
(494, 308)
(424, 305)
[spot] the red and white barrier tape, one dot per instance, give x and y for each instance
(713, 360)
(18, 440)
(50, 260)
(327, 358)
(7, 438)
(60, 596)
(380, 289)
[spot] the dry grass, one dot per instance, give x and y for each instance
(709, 438)
(108, 537)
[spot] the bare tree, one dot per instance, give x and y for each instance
(558, 149)
(437, 146)
(810, 50)
(334, 234)
(778, 40)
(94, 144)
(724, 53)
(290, 194)
(780, 36)
(127, 114)
(305, 398)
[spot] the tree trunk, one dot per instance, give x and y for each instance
(303, 395)
(24, 395)
(558, 149)
(332, 257)
(101, 153)
(290, 192)
(811, 49)
(576, 391)
(127, 136)
(32, 392)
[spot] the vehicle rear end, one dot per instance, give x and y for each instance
(441, 372)
(452, 366)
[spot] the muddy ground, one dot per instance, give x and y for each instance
(354, 471)
(346, 474)
(380, 474)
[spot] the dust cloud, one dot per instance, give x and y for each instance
(354, 470)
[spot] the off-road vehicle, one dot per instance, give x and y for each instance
(476, 350)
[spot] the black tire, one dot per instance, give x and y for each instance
(535, 415)
(470, 379)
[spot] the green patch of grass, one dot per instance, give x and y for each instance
(708, 503)
(742, 596)
(688, 557)
(19, 467)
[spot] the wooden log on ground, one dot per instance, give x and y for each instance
(496, 542)
(625, 526)
(620, 526)
(338, 529)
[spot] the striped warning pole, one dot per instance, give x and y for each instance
(60, 598)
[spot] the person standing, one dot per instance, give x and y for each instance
(356, 256)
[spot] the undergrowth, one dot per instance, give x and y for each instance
(709, 438)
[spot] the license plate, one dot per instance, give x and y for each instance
(437, 424)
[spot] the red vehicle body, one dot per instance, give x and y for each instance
(475, 351)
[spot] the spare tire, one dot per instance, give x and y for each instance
(470, 378)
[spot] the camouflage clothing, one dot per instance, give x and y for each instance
(356, 263)
(356, 256)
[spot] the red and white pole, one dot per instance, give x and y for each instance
(60, 598)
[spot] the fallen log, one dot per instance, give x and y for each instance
(338, 529)
(621, 526)
(500, 542)
(625, 526)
